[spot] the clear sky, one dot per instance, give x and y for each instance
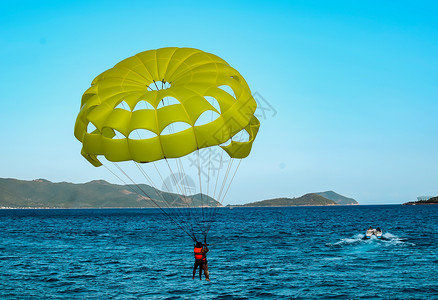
(354, 85)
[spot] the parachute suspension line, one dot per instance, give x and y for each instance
(220, 197)
(200, 222)
(181, 220)
(162, 210)
(208, 176)
(202, 202)
(209, 210)
(129, 186)
(159, 174)
(160, 194)
(227, 189)
(155, 84)
(232, 178)
(226, 192)
(177, 219)
(145, 174)
(124, 182)
(212, 212)
(184, 182)
(168, 189)
(165, 184)
(118, 178)
(145, 194)
(215, 188)
(208, 172)
(227, 173)
(229, 167)
(185, 185)
(186, 209)
(150, 181)
(230, 164)
(229, 184)
(177, 185)
(149, 88)
(224, 186)
(209, 154)
(217, 177)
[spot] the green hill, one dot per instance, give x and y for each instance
(305, 200)
(432, 200)
(99, 193)
(339, 199)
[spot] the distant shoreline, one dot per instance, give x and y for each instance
(221, 207)
(431, 200)
(78, 208)
(245, 206)
(418, 203)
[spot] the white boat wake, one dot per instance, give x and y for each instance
(387, 239)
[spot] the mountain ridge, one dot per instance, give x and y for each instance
(42, 193)
(339, 199)
(311, 199)
(15, 193)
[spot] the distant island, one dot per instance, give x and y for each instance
(41, 193)
(311, 199)
(430, 200)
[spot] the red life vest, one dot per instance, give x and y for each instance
(198, 253)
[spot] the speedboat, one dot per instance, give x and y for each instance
(370, 232)
(378, 233)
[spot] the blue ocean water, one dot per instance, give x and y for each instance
(274, 253)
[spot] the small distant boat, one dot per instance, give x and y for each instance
(379, 233)
(376, 232)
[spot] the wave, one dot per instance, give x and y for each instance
(359, 239)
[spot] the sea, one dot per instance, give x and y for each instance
(255, 253)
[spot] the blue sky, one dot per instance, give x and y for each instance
(354, 85)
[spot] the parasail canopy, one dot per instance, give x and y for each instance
(192, 79)
(159, 106)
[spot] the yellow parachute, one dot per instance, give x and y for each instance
(190, 77)
(133, 113)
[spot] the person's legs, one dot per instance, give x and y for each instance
(207, 275)
(201, 267)
(194, 268)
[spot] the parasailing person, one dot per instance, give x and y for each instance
(151, 111)
(200, 251)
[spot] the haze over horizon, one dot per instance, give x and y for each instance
(347, 91)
